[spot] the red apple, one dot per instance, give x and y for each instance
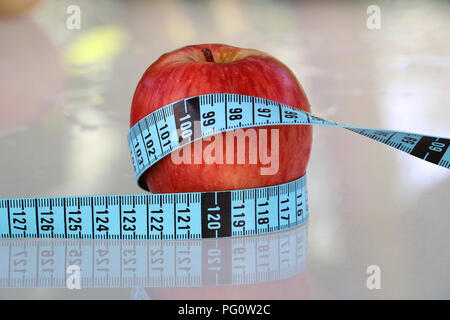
(218, 68)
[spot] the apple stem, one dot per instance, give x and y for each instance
(208, 55)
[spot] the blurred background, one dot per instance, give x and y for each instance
(68, 70)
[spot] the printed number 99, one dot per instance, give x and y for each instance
(210, 120)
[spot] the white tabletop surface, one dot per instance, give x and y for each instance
(65, 99)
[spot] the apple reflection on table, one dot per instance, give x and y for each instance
(287, 280)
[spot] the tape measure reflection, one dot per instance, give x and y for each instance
(41, 263)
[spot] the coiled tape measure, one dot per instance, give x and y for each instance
(194, 215)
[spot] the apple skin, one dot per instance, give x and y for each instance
(185, 73)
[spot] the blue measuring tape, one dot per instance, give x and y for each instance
(194, 215)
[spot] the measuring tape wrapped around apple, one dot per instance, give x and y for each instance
(206, 198)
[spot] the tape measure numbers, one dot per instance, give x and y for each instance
(158, 216)
(194, 215)
(41, 263)
(153, 138)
